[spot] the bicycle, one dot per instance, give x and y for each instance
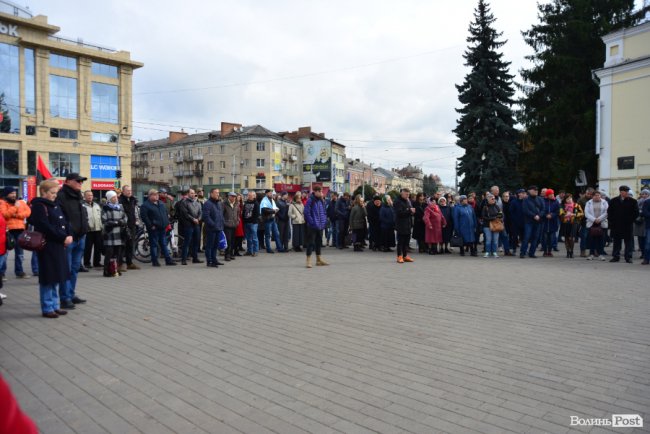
(142, 245)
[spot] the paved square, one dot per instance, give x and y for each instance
(446, 344)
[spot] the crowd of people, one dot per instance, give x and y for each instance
(82, 234)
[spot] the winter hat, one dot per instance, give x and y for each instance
(8, 190)
(110, 195)
(462, 197)
(645, 191)
(549, 192)
(441, 200)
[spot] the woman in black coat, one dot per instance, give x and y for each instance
(447, 230)
(53, 269)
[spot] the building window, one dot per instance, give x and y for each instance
(246, 162)
(10, 89)
(222, 149)
(210, 180)
(30, 81)
(222, 164)
(63, 164)
(246, 182)
(260, 182)
(104, 69)
(104, 103)
(30, 130)
(245, 147)
(63, 97)
(210, 166)
(222, 180)
(260, 146)
(31, 163)
(210, 150)
(259, 162)
(63, 134)
(171, 155)
(162, 169)
(9, 160)
(63, 62)
(161, 156)
(105, 138)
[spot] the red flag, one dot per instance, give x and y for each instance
(42, 173)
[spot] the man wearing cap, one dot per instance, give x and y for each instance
(533, 207)
(189, 223)
(621, 213)
(268, 209)
(69, 199)
(155, 218)
(230, 223)
(14, 212)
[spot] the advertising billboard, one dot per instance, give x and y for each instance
(317, 161)
(103, 166)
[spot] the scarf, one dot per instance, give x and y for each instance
(114, 206)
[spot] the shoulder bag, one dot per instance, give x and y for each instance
(496, 225)
(32, 240)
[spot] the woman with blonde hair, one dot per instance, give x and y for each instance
(53, 269)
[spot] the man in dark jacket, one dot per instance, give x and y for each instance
(250, 216)
(69, 199)
(374, 227)
(129, 203)
(282, 217)
(213, 221)
(342, 219)
(404, 211)
(516, 220)
(315, 223)
(189, 212)
(154, 216)
(532, 207)
(621, 213)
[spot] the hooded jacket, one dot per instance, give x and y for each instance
(70, 202)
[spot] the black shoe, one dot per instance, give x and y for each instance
(248, 254)
(88, 266)
(67, 305)
(197, 261)
(237, 254)
(170, 263)
(213, 266)
(628, 260)
(77, 300)
(51, 315)
(219, 263)
(97, 265)
(155, 264)
(83, 269)
(227, 259)
(522, 256)
(61, 312)
(532, 256)
(183, 262)
(270, 251)
(614, 259)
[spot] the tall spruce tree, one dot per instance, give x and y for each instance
(559, 103)
(486, 129)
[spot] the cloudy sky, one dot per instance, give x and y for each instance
(376, 75)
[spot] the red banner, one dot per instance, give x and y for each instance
(289, 188)
(102, 185)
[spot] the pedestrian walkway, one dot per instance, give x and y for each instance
(260, 345)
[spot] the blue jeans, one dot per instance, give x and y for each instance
(210, 247)
(583, 237)
(3, 261)
(531, 237)
(157, 237)
(252, 243)
(272, 227)
(491, 241)
(20, 255)
(646, 253)
(504, 240)
(75, 253)
(334, 231)
(34, 263)
(596, 245)
(549, 241)
(192, 236)
(49, 297)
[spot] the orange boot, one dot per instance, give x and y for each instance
(400, 259)
(407, 258)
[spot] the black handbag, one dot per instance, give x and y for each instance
(31, 240)
(596, 231)
(456, 241)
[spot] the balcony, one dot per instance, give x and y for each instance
(197, 157)
(189, 158)
(183, 173)
(179, 159)
(140, 163)
(291, 172)
(198, 173)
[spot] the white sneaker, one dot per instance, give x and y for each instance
(500, 249)
(590, 258)
(487, 255)
(494, 255)
(2, 296)
(602, 258)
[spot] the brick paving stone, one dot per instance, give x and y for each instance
(445, 344)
